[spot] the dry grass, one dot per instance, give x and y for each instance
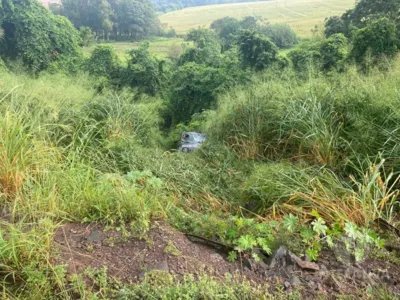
(302, 15)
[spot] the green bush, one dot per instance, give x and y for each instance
(256, 51)
(145, 71)
(305, 57)
(377, 39)
(194, 88)
(334, 51)
(103, 62)
(282, 35)
(87, 36)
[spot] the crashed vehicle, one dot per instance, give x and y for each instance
(191, 141)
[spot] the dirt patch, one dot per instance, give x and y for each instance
(83, 246)
(127, 259)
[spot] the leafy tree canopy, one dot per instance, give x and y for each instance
(206, 48)
(194, 88)
(228, 29)
(364, 12)
(120, 19)
(36, 36)
(377, 39)
(257, 51)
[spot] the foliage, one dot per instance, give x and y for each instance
(228, 30)
(377, 39)
(25, 253)
(37, 37)
(162, 285)
(334, 25)
(334, 52)
(103, 62)
(193, 89)
(206, 49)
(256, 51)
(87, 36)
(145, 71)
(306, 56)
(121, 19)
(282, 35)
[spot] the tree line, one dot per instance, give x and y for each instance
(112, 19)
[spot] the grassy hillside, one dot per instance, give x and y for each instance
(302, 15)
(69, 153)
(161, 47)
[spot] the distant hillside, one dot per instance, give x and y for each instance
(171, 5)
(301, 15)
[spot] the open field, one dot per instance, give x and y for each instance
(302, 15)
(161, 47)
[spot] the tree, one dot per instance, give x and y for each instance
(145, 71)
(134, 19)
(226, 29)
(334, 51)
(103, 62)
(305, 56)
(124, 19)
(36, 36)
(363, 14)
(282, 35)
(87, 36)
(206, 48)
(194, 88)
(95, 14)
(250, 22)
(256, 51)
(366, 11)
(377, 38)
(334, 25)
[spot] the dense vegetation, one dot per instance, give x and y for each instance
(112, 19)
(302, 148)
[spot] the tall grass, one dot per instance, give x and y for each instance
(293, 146)
(328, 131)
(283, 188)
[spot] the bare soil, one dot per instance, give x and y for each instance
(127, 259)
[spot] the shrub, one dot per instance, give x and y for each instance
(194, 88)
(305, 57)
(282, 35)
(334, 52)
(334, 25)
(377, 39)
(145, 71)
(256, 51)
(103, 62)
(87, 36)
